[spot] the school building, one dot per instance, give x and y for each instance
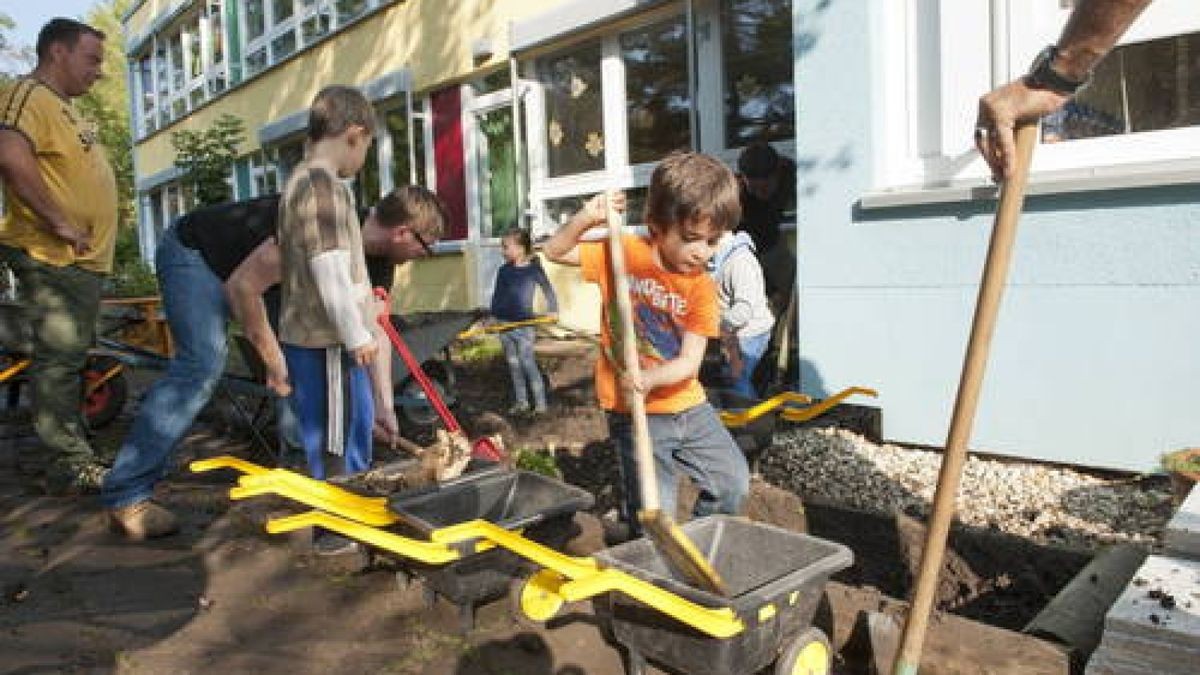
(514, 111)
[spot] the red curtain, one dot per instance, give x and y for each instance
(448, 158)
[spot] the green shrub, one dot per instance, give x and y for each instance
(538, 461)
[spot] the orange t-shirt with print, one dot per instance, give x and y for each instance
(665, 306)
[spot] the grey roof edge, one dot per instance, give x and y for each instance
(570, 17)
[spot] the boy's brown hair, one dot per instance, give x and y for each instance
(335, 109)
(687, 187)
(416, 207)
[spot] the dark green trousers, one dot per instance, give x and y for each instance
(60, 306)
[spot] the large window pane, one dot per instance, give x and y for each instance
(656, 90)
(256, 61)
(574, 110)
(366, 183)
(256, 21)
(283, 46)
(348, 10)
(497, 162)
(177, 72)
(316, 26)
(216, 32)
(282, 10)
(756, 44)
(419, 150)
(396, 121)
(1149, 86)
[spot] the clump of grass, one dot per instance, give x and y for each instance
(538, 461)
(480, 349)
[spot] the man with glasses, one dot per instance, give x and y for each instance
(221, 262)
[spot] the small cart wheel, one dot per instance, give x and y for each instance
(536, 597)
(105, 390)
(807, 654)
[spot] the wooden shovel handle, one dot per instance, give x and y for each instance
(995, 272)
(627, 337)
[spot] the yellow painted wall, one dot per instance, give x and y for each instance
(141, 19)
(432, 37)
(578, 303)
(431, 284)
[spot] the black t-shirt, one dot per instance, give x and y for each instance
(226, 234)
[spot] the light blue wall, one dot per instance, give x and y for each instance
(1096, 356)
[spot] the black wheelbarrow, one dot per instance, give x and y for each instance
(776, 580)
(540, 507)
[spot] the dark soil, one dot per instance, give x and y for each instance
(988, 576)
(223, 596)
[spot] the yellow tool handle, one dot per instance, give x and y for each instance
(501, 327)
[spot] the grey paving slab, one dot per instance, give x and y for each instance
(1161, 605)
(1182, 536)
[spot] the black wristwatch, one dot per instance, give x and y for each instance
(1043, 76)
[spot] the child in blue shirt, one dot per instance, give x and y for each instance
(512, 300)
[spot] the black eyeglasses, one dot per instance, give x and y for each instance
(424, 244)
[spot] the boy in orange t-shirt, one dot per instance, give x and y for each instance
(693, 199)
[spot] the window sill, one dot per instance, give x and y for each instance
(452, 246)
(1064, 181)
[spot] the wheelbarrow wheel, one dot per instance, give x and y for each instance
(104, 401)
(808, 653)
(413, 406)
(534, 599)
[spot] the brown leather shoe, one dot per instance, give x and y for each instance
(143, 520)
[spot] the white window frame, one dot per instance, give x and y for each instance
(928, 79)
(302, 10)
(618, 174)
(146, 115)
(472, 106)
(214, 70)
(415, 108)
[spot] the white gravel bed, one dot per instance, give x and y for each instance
(1045, 503)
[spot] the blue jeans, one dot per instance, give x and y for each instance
(197, 313)
(693, 441)
(522, 366)
(310, 401)
(751, 349)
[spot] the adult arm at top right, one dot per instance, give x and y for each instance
(1091, 31)
(563, 246)
(19, 169)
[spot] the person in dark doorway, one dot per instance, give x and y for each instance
(768, 191)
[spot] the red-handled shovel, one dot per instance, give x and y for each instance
(481, 448)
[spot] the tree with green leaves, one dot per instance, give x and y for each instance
(15, 59)
(207, 157)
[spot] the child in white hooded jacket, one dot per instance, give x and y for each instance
(746, 319)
